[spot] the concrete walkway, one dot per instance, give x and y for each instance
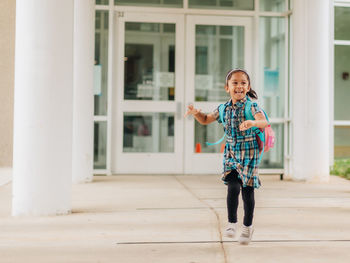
(181, 219)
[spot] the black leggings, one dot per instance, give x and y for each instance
(234, 186)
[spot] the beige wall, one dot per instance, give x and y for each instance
(7, 51)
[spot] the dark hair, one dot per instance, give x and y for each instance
(251, 93)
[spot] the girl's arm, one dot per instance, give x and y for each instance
(260, 122)
(200, 116)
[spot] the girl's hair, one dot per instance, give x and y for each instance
(251, 93)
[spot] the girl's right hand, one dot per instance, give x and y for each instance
(191, 110)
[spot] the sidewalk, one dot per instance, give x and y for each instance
(180, 219)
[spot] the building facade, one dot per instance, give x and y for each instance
(112, 80)
(155, 57)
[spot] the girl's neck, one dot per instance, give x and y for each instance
(235, 100)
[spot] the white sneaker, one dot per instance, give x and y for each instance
(231, 230)
(246, 236)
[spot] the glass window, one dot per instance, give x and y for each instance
(222, 4)
(156, 3)
(100, 145)
(148, 132)
(218, 49)
(341, 82)
(272, 65)
(102, 2)
(274, 157)
(149, 61)
(342, 22)
(272, 5)
(101, 63)
(342, 142)
(208, 133)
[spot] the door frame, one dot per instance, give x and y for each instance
(208, 163)
(147, 163)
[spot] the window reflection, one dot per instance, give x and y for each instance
(101, 63)
(100, 145)
(218, 49)
(272, 5)
(149, 61)
(148, 132)
(274, 157)
(222, 4)
(272, 61)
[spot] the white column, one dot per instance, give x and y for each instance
(83, 116)
(310, 89)
(43, 111)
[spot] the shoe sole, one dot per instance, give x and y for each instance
(245, 241)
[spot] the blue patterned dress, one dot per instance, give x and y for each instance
(241, 149)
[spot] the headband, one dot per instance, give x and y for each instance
(233, 70)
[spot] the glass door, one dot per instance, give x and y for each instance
(148, 94)
(214, 45)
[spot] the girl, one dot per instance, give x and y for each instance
(241, 150)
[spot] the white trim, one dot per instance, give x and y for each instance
(279, 120)
(102, 7)
(331, 86)
(271, 171)
(342, 4)
(275, 14)
(290, 94)
(189, 11)
(286, 96)
(199, 11)
(110, 85)
(147, 106)
(256, 33)
(342, 42)
(341, 1)
(100, 118)
(102, 171)
(341, 123)
(290, 97)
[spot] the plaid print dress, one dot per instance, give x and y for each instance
(241, 149)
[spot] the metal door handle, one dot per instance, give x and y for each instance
(178, 110)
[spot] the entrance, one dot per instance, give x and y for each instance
(163, 63)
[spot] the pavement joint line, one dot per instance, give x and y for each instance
(222, 207)
(211, 209)
(233, 241)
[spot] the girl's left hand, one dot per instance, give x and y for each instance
(246, 125)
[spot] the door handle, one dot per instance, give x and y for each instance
(178, 110)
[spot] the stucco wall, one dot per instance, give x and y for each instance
(7, 51)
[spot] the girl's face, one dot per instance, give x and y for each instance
(237, 86)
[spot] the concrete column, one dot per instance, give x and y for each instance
(83, 116)
(43, 111)
(310, 89)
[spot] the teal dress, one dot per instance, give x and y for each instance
(241, 148)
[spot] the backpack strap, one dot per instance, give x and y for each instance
(249, 116)
(248, 113)
(222, 108)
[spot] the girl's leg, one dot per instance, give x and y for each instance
(249, 204)
(233, 189)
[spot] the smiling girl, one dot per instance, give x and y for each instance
(241, 153)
